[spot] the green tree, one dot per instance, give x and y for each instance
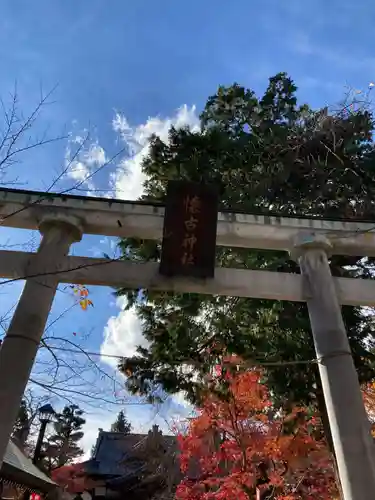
(21, 428)
(121, 424)
(267, 155)
(63, 445)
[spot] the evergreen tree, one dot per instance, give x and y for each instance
(121, 424)
(21, 428)
(267, 155)
(63, 447)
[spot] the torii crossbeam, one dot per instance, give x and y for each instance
(62, 219)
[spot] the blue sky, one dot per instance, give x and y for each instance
(125, 69)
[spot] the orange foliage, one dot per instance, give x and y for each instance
(236, 448)
(82, 294)
(72, 478)
(368, 392)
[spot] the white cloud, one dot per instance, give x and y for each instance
(82, 169)
(95, 156)
(128, 179)
(106, 245)
(95, 421)
(122, 335)
(79, 172)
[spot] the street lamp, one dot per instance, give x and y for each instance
(46, 415)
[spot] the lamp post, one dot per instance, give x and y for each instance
(46, 415)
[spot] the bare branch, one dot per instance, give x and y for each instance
(72, 159)
(14, 141)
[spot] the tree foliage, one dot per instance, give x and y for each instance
(26, 426)
(63, 445)
(121, 424)
(267, 155)
(239, 446)
(73, 479)
(21, 428)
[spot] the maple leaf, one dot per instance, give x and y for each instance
(82, 292)
(237, 448)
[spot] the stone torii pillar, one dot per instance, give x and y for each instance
(21, 343)
(354, 447)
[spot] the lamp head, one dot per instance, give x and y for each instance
(46, 413)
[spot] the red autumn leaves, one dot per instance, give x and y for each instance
(239, 447)
(72, 478)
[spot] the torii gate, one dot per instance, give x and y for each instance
(62, 219)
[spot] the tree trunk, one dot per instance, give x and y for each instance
(264, 494)
(327, 432)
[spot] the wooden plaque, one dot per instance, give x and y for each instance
(190, 225)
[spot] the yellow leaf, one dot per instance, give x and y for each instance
(83, 304)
